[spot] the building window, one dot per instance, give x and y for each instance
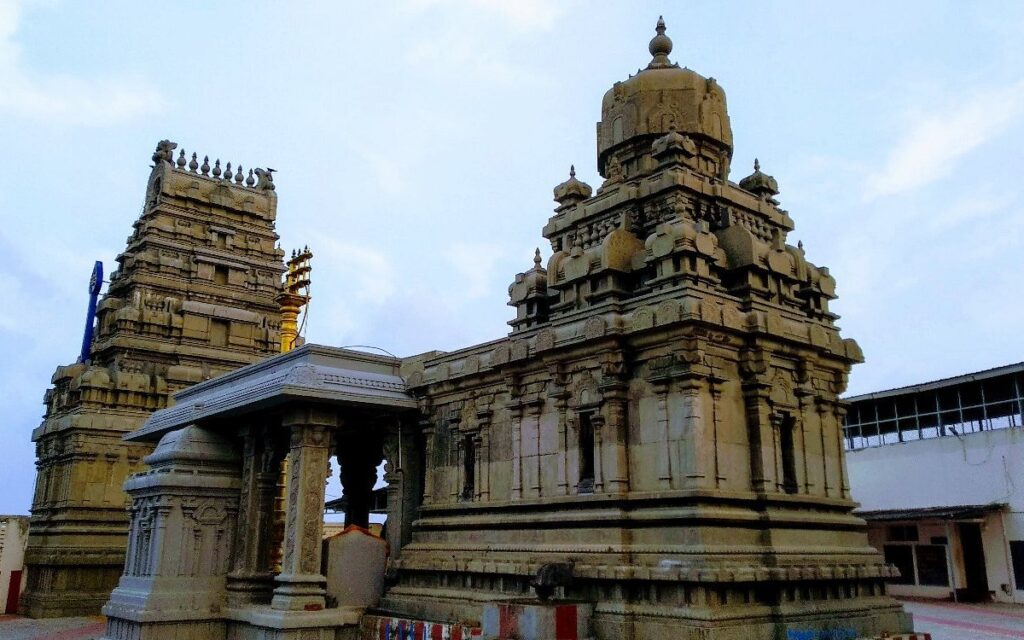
(931, 565)
(468, 467)
(900, 556)
(1017, 560)
(586, 447)
(220, 274)
(902, 533)
(220, 240)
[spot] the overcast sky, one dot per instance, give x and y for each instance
(417, 144)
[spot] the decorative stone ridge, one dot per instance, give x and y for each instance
(193, 296)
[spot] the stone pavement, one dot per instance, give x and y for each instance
(943, 620)
(18, 628)
(950, 621)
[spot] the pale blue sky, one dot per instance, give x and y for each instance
(417, 144)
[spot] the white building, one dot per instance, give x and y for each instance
(13, 538)
(939, 471)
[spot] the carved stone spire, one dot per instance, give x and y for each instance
(660, 47)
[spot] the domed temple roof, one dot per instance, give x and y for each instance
(660, 98)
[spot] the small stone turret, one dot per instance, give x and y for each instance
(529, 295)
(761, 184)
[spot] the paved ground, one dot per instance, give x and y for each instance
(944, 620)
(949, 621)
(18, 628)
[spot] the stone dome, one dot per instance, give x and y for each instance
(660, 98)
(194, 445)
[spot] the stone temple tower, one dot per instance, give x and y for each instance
(193, 296)
(660, 435)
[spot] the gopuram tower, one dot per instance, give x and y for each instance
(660, 435)
(193, 297)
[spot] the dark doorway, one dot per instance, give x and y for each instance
(976, 589)
(13, 592)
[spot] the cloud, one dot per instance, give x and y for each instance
(474, 266)
(63, 98)
(522, 15)
(935, 141)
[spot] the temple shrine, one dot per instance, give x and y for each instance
(654, 451)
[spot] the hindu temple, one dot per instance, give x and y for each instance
(654, 451)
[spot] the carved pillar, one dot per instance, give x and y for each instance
(776, 420)
(516, 415)
(483, 467)
(615, 473)
(562, 405)
(760, 437)
(663, 461)
(803, 405)
(252, 577)
(300, 584)
(597, 421)
(534, 412)
(696, 439)
(454, 458)
(428, 429)
(821, 407)
(401, 472)
(715, 388)
(838, 414)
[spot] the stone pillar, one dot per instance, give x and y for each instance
(696, 441)
(760, 437)
(401, 470)
(483, 457)
(827, 448)
(597, 421)
(534, 412)
(615, 468)
(427, 428)
(838, 414)
(516, 415)
(300, 585)
(715, 388)
(252, 577)
(663, 461)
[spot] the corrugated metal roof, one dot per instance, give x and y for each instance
(956, 512)
(941, 383)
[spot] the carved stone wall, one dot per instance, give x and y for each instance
(192, 297)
